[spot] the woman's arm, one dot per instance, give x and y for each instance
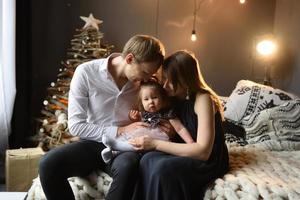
(202, 148)
(181, 130)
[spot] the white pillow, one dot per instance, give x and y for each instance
(249, 97)
(278, 128)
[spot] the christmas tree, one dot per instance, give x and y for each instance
(86, 45)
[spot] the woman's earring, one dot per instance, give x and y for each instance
(187, 97)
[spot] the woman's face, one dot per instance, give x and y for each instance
(169, 87)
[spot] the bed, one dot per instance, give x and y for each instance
(262, 132)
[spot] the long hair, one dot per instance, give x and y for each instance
(183, 69)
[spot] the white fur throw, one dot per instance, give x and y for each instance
(83, 190)
(255, 173)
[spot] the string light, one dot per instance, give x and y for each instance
(194, 36)
(156, 18)
(45, 102)
(196, 8)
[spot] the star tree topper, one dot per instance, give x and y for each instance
(91, 21)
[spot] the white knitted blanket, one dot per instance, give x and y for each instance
(255, 173)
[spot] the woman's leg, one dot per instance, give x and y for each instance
(164, 176)
(75, 159)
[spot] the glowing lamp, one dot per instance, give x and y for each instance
(266, 47)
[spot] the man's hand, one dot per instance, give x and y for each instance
(167, 128)
(131, 127)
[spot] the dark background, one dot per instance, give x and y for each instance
(225, 47)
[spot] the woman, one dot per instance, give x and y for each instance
(179, 170)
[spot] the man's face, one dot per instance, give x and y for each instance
(137, 72)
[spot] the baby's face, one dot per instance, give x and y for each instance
(151, 99)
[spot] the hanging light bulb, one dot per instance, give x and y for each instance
(242, 1)
(193, 36)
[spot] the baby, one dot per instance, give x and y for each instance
(154, 106)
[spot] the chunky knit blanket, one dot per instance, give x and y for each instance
(255, 173)
(258, 173)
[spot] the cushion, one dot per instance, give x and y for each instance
(234, 133)
(232, 139)
(278, 128)
(249, 97)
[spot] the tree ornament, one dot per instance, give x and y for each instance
(91, 22)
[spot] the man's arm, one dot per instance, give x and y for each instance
(78, 107)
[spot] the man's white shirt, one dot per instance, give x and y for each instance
(96, 105)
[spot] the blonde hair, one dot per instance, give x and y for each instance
(145, 48)
(182, 68)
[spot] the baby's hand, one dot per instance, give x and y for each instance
(134, 115)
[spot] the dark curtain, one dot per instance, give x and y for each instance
(43, 33)
(21, 120)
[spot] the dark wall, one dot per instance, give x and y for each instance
(287, 29)
(224, 47)
(225, 31)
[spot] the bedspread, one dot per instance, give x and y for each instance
(255, 173)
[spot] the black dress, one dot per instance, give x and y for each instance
(168, 177)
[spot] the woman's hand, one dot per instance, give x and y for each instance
(131, 127)
(167, 128)
(143, 143)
